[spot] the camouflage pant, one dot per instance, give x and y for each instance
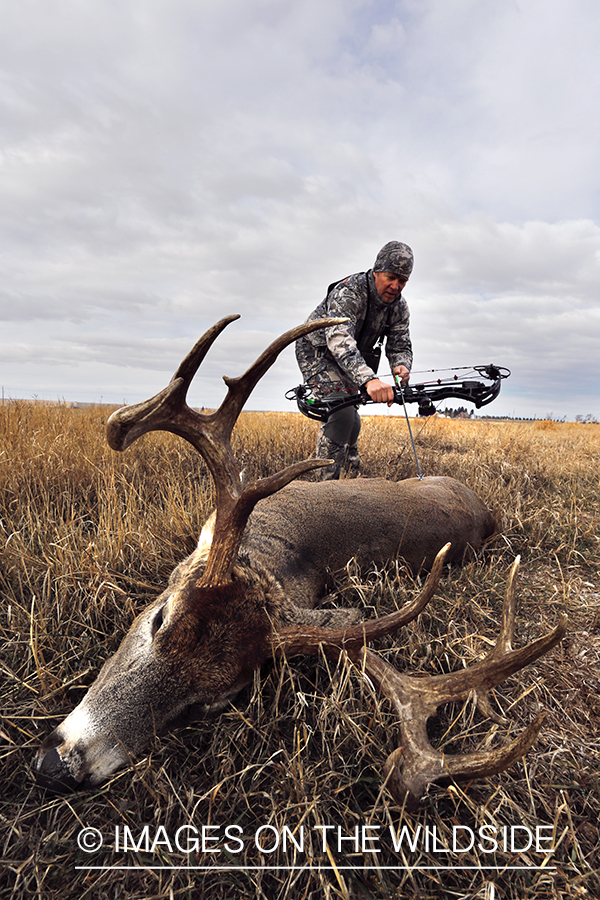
(337, 438)
(345, 457)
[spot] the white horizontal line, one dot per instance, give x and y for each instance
(320, 868)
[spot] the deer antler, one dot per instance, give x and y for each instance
(416, 764)
(210, 434)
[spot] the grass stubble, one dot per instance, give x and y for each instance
(89, 537)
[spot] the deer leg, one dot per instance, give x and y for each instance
(292, 615)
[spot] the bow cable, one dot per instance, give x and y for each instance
(400, 387)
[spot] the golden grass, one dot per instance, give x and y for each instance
(89, 536)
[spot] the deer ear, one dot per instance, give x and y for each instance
(161, 616)
(157, 621)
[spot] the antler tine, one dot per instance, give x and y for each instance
(509, 613)
(210, 434)
(192, 362)
(308, 639)
(490, 762)
(501, 661)
(504, 642)
(240, 388)
(416, 763)
(164, 411)
(410, 769)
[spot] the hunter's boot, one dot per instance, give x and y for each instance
(327, 449)
(352, 463)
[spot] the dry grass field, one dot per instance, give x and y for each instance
(89, 536)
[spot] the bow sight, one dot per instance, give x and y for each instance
(425, 394)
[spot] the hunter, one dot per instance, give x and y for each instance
(345, 358)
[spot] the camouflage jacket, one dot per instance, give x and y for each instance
(339, 344)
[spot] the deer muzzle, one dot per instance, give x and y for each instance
(76, 754)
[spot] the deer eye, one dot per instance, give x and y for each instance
(157, 621)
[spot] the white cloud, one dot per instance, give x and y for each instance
(164, 163)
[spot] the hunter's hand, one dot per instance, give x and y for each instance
(379, 391)
(403, 374)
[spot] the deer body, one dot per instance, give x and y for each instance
(309, 529)
(248, 590)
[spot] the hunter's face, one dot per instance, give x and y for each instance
(389, 286)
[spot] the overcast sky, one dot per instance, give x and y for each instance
(168, 162)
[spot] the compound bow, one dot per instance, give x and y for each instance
(425, 394)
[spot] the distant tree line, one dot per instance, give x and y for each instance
(461, 412)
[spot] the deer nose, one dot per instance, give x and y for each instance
(51, 773)
(51, 770)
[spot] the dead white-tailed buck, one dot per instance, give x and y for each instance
(249, 589)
